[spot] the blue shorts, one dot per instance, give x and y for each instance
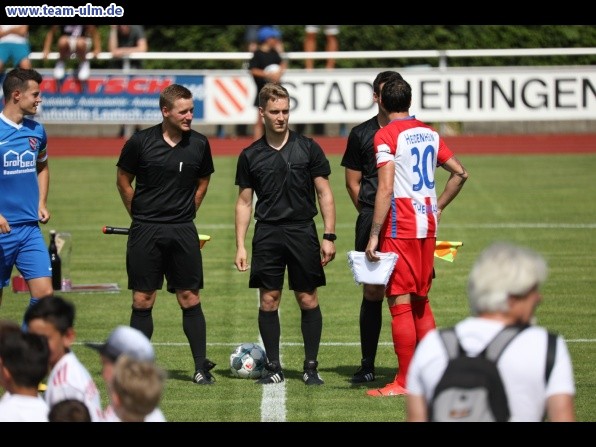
(25, 248)
(14, 51)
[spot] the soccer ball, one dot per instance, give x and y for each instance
(272, 68)
(247, 361)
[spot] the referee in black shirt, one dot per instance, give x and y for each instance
(172, 165)
(285, 171)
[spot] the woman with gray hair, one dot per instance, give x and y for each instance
(503, 290)
(503, 271)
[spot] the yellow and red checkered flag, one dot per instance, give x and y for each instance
(446, 250)
(203, 238)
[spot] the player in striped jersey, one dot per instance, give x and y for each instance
(53, 317)
(361, 182)
(405, 219)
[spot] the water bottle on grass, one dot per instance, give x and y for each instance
(56, 262)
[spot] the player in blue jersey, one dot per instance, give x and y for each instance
(24, 183)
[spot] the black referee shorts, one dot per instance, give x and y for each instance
(157, 250)
(295, 246)
(363, 224)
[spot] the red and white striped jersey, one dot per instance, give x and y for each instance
(416, 150)
(69, 379)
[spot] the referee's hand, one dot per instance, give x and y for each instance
(241, 260)
(327, 252)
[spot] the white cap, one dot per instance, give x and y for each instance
(126, 340)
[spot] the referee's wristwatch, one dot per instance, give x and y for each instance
(330, 237)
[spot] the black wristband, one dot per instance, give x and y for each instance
(330, 237)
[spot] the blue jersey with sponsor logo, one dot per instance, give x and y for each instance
(22, 146)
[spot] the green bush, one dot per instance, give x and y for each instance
(222, 38)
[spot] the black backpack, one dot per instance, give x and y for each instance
(471, 389)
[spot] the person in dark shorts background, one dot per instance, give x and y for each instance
(172, 165)
(285, 170)
(360, 165)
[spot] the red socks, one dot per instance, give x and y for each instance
(403, 331)
(409, 323)
(424, 319)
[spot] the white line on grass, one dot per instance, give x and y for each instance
(329, 343)
(273, 400)
(579, 226)
(273, 403)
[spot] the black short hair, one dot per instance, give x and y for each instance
(18, 78)
(69, 410)
(396, 96)
(382, 78)
(26, 356)
(55, 310)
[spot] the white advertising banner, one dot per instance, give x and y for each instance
(328, 96)
(438, 95)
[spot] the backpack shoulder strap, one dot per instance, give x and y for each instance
(498, 344)
(551, 352)
(451, 342)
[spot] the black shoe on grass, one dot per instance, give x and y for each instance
(203, 376)
(364, 374)
(273, 374)
(311, 375)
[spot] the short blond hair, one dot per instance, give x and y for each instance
(272, 90)
(138, 385)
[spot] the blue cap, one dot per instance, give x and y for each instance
(268, 32)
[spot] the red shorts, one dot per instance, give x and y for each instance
(413, 272)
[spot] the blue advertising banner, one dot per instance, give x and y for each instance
(113, 98)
